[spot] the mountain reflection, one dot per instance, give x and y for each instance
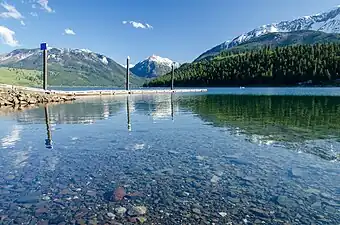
(87, 111)
(277, 118)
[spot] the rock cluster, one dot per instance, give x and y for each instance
(14, 97)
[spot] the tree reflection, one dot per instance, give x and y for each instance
(288, 118)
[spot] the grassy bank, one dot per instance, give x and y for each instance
(21, 77)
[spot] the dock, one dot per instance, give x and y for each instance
(102, 92)
(125, 92)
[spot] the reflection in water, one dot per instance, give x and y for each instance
(268, 120)
(88, 111)
(163, 107)
(11, 139)
(288, 118)
(159, 109)
(172, 106)
(48, 141)
(128, 112)
(81, 112)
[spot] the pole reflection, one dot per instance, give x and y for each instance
(172, 106)
(48, 141)
(128, 112)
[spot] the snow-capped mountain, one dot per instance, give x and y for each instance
(70, 66)
(54, 55)
(153, 66)
(328, 22)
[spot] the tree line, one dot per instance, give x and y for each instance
(279, 66)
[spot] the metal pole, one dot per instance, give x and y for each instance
(128, 73)
(172, 76)
(45, 69)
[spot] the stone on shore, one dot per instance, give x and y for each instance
(15, 97)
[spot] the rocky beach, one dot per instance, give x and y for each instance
(21, 98)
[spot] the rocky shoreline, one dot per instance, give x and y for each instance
(22, 98)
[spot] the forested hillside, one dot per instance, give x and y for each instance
(267, 66)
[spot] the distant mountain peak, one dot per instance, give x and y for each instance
(153, 66)
(158, 59)
(328, 22)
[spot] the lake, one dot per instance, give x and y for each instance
(229, 156)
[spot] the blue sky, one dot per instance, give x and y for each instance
(178, 29)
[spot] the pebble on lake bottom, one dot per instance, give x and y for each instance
(223, 214)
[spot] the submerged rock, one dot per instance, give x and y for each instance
(141, 219)
(137, 211)
(285, 201)
(119, 194)
(28, 199)
(120, 210)
(296, 172)
(259, 212)
(223, 214)
(111, 215)
(196, 211)
(215, 179)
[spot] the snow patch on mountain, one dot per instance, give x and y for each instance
(104, 60)
(159, 59)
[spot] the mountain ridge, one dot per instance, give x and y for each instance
(328, 22)
(72, 67)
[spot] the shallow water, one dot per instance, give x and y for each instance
(192, 159)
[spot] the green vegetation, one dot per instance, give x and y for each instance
(20, 77)
(316, 64)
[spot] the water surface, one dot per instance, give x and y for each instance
(195, 158)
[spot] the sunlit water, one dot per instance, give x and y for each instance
(195, 159)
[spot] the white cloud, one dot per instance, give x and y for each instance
(34, 14)
(12, 12)
(7, 37)
(149, 26)
(22, 23)
(69, 32)
(44, 5)
(138, 24)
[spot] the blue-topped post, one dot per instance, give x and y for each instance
(127, 85)
(43, 47)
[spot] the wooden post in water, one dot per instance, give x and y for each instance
(43, 47)
(172, 76)
(128, 74)
(48, 141)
